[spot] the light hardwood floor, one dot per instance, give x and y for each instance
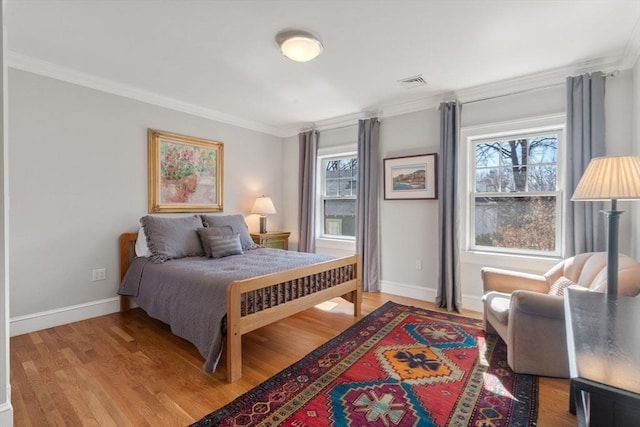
(126, 369)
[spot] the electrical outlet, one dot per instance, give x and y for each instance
(418, 264)
(99, 274)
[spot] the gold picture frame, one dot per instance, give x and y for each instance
(185, 173)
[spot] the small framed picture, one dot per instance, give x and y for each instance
(411, 177)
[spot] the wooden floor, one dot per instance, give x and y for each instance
(129, 370)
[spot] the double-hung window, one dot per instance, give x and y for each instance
(515, 203)
(338, 189)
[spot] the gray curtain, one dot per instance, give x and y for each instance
(448, 293)
(306, 190)
(585, 139)
(367, 203)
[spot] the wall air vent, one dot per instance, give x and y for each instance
(413, 81)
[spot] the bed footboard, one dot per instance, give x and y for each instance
(259, 301)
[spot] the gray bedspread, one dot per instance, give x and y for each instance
(190, 294)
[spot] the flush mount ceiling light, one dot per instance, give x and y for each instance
(299, 46)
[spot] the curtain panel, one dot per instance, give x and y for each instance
(448, 293)
(367, 203)
(306, 190)
(585, 140)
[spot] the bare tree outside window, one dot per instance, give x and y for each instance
(516, 192)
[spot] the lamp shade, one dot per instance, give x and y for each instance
(610, 178)
(299, 46)
(263, 206)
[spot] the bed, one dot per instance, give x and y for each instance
(251, 290)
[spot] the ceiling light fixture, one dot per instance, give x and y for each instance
(299, 46)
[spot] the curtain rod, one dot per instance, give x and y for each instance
(330, 128)
(518, 92)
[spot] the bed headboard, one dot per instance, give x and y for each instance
(127, 254)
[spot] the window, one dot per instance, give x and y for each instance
(515, 203)
(338, 188)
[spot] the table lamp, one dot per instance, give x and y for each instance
(263, 206)
(610, 178)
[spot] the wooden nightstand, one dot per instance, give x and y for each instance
(272, 239)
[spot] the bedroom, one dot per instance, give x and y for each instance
(77, 173)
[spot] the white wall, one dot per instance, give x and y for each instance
(6, 410)
(409, 228)
(78, 179)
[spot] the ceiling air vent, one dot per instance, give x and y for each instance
(413, 81)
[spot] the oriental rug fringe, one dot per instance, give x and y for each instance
(398, 366)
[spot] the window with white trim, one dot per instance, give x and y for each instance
(515, 203)
(338, 186)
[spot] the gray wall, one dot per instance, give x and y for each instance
(408, 228)
(6, 410)
(78, 179)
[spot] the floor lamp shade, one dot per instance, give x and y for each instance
(263, 206)
(610, 178)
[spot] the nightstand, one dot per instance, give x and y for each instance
(272, 239)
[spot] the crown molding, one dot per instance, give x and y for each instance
(533, 81)
(632, 50)
(48, 69)
(541, 80)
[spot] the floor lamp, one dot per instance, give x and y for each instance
(610, 178)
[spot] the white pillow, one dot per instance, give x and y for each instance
(142, 248)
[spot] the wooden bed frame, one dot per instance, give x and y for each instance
(240, 320)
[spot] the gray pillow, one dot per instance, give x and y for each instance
(237, 224)
(172, 237)
(205, 233)
(222, 246)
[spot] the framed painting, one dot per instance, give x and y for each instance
(185, 173)
(411, 177)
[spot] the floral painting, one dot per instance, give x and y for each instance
(185, 173)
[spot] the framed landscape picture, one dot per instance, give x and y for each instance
(185, 173)
(410, 177)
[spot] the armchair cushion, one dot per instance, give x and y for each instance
(498, 304)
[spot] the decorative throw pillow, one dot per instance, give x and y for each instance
(558, 287)
(205, 233)
(222, 246)
(172, 237)
(237, 224)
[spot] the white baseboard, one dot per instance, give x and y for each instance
(61, 316)
(6, 414)
(469, 302)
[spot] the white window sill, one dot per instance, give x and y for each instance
(343, 245)
(508, 261)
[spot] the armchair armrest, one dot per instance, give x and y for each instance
(495, 279)
(536, 304)
(536, 335)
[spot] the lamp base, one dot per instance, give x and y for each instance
(263, 224)
(613, 217)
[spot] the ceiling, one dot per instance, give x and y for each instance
(219, 59)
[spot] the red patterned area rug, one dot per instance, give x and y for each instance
(398, 366)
